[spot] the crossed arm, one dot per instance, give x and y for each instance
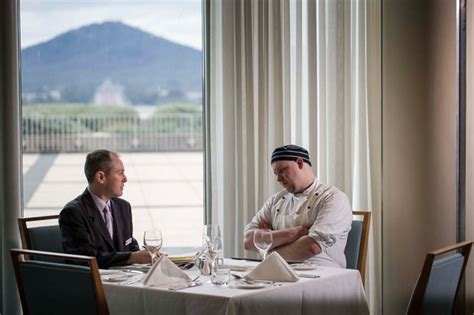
(291, 243)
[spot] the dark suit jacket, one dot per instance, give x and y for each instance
(84, 231)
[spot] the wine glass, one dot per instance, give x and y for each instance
(212, 238)
(263, 240)
(152, 240)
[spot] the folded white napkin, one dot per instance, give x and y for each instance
(165, 272)
(273, 268)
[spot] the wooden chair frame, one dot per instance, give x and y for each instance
(20, 255)
(416, 301)
(23, 227)
(364, 242)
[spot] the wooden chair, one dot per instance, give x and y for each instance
(47, 287)
(438, 284)
(44, 238)
(357, 242)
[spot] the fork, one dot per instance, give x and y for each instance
(236, 276)
(191, 284)
(250, 281)
(185, 286)
(192, 262)
(130, 281)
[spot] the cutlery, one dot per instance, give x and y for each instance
(186, 266)
(130, 271)
(131, 281)
(193, 283)
(236, 276)
(247, 280)
(250, 281)
(259, 260)
(246, 259)
(307, 275)
(191, 263)
(185, 286)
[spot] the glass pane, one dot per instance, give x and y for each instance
(121, 75)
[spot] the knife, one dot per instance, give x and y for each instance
(130, 281)
(184, 286)
(248, 280)
(308, 275)
(129, 270)
(258, 259)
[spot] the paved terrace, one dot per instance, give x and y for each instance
(164, 189)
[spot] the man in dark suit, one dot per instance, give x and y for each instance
(98, 223)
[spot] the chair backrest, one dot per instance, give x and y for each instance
(357, 242)
(47, 287)
(43, 238)
(438, 284)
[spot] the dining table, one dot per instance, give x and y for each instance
(320, 290)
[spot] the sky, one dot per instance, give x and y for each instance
(175, 20)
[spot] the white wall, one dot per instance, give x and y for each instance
(419, 134)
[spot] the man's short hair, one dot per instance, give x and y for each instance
(98, 160)
(290, 152)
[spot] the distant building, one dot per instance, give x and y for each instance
(194, 95)
(55, 95)
(41, 97)
(110, 94)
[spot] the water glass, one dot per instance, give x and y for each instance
(221, 276)
(263, 241)
(152, 240)
(211, 238)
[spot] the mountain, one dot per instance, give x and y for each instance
(72, 65)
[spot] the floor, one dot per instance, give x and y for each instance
(164, 189)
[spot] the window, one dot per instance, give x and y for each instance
(121, 75)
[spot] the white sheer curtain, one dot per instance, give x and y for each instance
(294, 72)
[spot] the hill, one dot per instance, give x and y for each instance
(71, 66)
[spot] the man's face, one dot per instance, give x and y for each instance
(115, 179)
(288, 174)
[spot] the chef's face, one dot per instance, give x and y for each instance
(288, 174)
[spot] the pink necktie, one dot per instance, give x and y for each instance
(108, 222)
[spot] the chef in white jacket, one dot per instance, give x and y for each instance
(308, 220)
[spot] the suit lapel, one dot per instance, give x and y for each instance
(97, 219)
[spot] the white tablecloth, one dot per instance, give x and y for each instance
(337, 291)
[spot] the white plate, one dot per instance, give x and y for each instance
(256, 285)
(107, 272)
(304, 267)
(115, 278)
